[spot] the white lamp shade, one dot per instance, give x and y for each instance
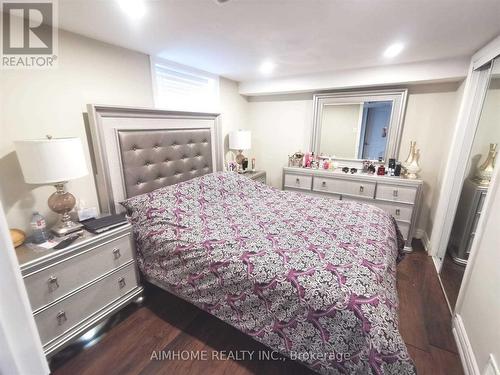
(240, 140)
(48, 161)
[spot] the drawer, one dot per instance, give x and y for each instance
(48, 284)
(401, 212)
(480, 204)
(396, 193)
(341, 186)
(298, 181)
(404, 228)
(61, 317)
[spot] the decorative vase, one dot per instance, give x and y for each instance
(485, 171)
(411, 154)
(411, 162)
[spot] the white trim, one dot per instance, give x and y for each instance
(487, 53)
(464, 346)
(463, 137)
(424, 237)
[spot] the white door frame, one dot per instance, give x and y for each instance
(467, 121)
(20, 347)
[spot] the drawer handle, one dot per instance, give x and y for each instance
(116, 253)
(323, 183)
(61, 317)
(53, 283)
(121, 282)
(297, 180)
(340, 197)
(361, 188)
(398, 212)
(394, 193)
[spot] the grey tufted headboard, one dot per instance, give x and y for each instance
(155, 158)
(138, 150)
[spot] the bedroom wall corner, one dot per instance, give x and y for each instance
(233, 111)
(430, 117)
(34, 103)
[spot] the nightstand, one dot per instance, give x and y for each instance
(256, 176)
(73, 289)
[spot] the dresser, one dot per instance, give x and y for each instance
(73, 289)
(466, 219)
(398, 196)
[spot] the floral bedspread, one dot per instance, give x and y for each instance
(310, 277)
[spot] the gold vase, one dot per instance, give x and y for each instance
(411, 163)
(485, 170)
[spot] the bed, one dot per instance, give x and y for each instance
(313, 279)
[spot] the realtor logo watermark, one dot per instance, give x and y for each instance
(29, 34)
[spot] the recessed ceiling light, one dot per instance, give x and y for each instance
(133, 8)
(393, 50)
(267, 67)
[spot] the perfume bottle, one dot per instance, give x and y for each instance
(381, 170)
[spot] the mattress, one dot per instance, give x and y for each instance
(312, 278)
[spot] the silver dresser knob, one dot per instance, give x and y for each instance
(53, 283)
(61, 317)
(297, 180)
(116, 253)
(394, 193)
(121, 282)
(398, 211)
(361, 188)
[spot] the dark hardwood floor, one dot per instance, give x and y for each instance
(451, 277)
(167, 323)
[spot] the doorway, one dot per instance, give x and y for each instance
(374, 125)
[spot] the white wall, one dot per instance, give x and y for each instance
(281, 125)
(233, 109)
(447, 70)
(35, 103)
(39, 102)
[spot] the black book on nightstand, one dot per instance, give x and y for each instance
(104, 223)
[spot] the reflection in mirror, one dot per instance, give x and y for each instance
(474, 189)
(355, 131)
(360, 125)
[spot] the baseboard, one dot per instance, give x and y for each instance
(464, 347)
(422, 235)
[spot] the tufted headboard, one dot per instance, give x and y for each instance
(139, 150)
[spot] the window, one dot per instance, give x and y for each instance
(182, 88)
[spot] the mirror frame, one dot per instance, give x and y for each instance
(396, 96)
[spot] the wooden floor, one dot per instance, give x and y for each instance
(167, 323)
(451, 277)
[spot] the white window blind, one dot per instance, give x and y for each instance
(183, 88)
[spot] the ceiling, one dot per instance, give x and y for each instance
(301, 36)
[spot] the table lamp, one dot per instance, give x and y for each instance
(240, 140)
(54, 161)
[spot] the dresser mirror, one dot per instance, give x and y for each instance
(360, 125)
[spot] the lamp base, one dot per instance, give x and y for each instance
(62, 229)
(62, 202)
